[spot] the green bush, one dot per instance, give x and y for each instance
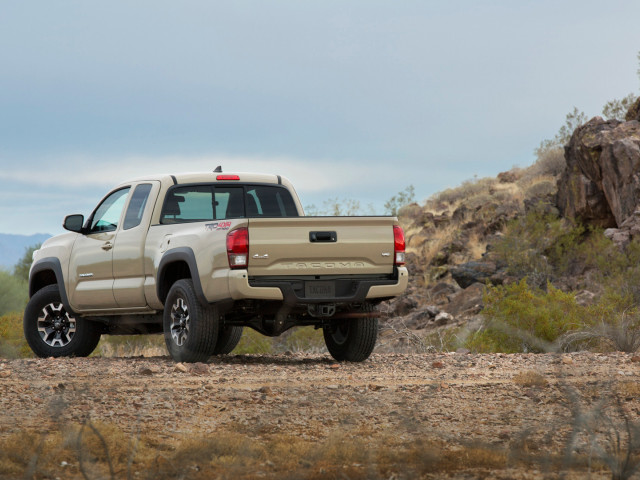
(298, 339)
(525, 319)
(13, 293)
(537, 246)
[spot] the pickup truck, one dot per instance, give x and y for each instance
(200, 256)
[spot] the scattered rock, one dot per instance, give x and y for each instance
(635, 359)
(200, 368)
(181, 367)
(443, 318)
(567, 360)
(437, 364)
(265, 390)
(432, 310)
(5, 373)
(585, 298)
(147, 372)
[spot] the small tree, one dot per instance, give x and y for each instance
(395, 203)
(573, 120)
(616, 109)
(21, 269)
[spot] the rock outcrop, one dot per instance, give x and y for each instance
(601, 183)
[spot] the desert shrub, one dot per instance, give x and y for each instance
(540, 187)
(254, 342)
(550, 161)
(525, 319)
(615, 331)
(530, 378)
(131, 346)
(537, 245)
(466, 191)
(301, 339)
(12, 342)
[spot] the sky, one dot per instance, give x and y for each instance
(348, 99)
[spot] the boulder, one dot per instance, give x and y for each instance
(601, 183)
(634, 111)
(466, 302)
(469, 273)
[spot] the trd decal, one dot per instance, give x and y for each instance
(210, 227)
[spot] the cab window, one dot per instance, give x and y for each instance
(107, 216)
(138, 202)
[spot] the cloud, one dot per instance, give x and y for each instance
(93, 171)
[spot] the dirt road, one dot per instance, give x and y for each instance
(524, 407)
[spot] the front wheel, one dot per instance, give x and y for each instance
(352, 340)
(190, 328)
(51, 331)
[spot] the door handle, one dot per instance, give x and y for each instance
(107, 246)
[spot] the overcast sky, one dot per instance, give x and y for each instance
(349, 99)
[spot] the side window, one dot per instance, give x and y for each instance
(107, 216)
(188, 204)
(138, 202)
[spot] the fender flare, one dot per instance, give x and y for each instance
(53, 264)
(184, 254)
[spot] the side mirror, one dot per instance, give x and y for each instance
(73, 223)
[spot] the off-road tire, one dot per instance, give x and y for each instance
(228, 339)
(190, 328)
(351, 340)
(51, 331)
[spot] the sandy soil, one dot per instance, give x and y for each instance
(518, 403)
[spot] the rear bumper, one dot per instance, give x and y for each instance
(291, 290)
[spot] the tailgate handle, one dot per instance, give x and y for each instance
(323, 237)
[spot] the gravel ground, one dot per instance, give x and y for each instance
(517, 402)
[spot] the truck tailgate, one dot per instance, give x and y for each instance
(321, 246)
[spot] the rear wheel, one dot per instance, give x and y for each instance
(228, 339)
(190, 328)
(51, 331)
(352, 340)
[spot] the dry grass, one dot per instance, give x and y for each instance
(103, 451)
(530, 378)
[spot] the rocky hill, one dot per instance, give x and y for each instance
(463, 239)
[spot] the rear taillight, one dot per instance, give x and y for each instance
(228, 177)
(398, 245)
(238, 248)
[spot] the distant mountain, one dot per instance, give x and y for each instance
(12, 247)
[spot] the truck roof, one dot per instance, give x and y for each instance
(213, 177)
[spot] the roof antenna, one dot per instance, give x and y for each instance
(218, 169)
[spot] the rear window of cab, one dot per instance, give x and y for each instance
(205, 202)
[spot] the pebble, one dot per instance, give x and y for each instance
(181, 367)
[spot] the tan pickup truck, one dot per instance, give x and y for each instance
(199, 257)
